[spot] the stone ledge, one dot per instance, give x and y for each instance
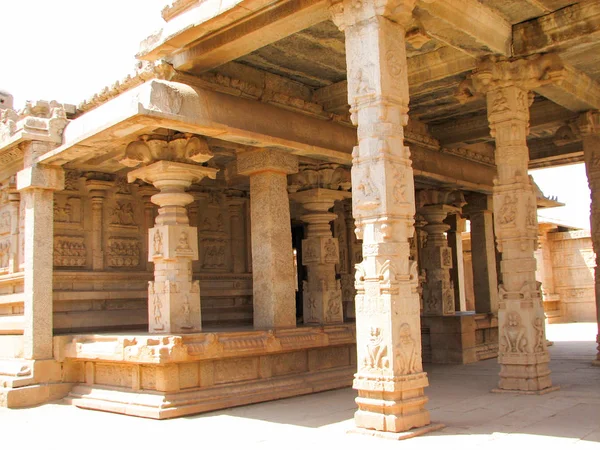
(398, 436)
(156, 405)
(514, 391)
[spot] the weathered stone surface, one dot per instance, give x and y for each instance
(523, 350)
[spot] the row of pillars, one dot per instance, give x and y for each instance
(390, 378)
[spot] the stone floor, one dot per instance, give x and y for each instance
(460, 398)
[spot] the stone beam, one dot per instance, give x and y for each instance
(423, 70)
(545, 153)
(199, 111)
(261, 29)
(573, 89)
(466, 25)
(543, 114)
(577, 23)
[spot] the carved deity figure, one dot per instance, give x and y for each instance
(186, 313)
(407, 353)
(183, 241)
(540, 337)
(330, 249)
(376, 353)
(335, 304)
(508, 210)
(514, 334)
(158, 242)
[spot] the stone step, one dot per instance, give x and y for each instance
(33, 395)
(15, 373)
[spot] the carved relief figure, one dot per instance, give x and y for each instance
(540, 337)
(186, 313)
(214, 254)
(5, 220)
(376, 353)
(183, 243)
(514, 334)
(5, 254)
(158, 242)
(368, 191)
(508, 210)
(122, 214)
(334, 306)
(123, 252)
(330, 249)
(399, 189)
(407, 353)
(531, 214)
(500, 103)
(156, 306)
(309, 300)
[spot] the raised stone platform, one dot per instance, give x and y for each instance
(168, 376)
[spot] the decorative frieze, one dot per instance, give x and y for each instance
(123, 252)
(69, 251)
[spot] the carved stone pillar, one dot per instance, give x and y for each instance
(97, 190)
(320, 253)
(483, 253)
(457, 272)
(14, 200)
(589, 126)
(174, 299)
(274, 296)
(146, 192)
(523, 355)
(37, 185)
(390, 378)
(167, 163)
(236, 206)
(354, 257)
(436, 258)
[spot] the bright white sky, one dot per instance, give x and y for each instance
(67, 50)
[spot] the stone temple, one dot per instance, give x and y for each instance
(273, 203)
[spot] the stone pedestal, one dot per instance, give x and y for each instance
(320, 254)
(36, 184)
(390, 378)
(523, 355)
(438, 291)
(272, 263)
(589, 126)
(173, 298)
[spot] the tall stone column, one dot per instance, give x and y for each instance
(483, 253)
(523, 355)
(37, 185)
(97, 190)
(171, 163)
(174, 298)
(14, 200)
(589, 126)
(438, 290)
(390, 378)
(274, 297)
(238, 233)
(322, 292)
(457, 273)
(146, 192)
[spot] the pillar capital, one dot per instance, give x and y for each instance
(496, 72)
(264, 160)
(347, 13)
(588, 123)
(41, 177)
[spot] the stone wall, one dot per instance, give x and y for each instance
(101, 268)
(573, 264)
